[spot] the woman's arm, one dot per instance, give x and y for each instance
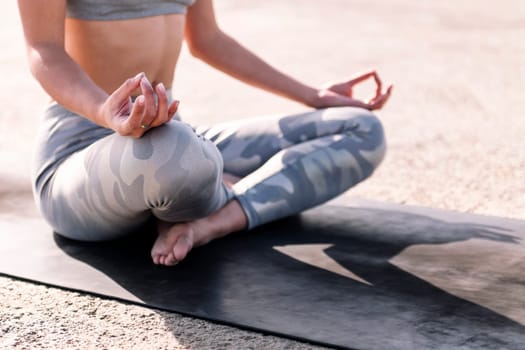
(65, 81)
(209, 43)
(59, 75)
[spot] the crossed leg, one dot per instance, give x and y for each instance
(287, 164)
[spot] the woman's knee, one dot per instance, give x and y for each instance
(366, 128)
(180, 168)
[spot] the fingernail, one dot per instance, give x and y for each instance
(140, 100)
(139, 76)
(161, 87)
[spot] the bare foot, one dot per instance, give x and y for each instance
(175, 241)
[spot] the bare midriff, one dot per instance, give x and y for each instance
(112, 51)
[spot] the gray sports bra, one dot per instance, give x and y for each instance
(106, 10)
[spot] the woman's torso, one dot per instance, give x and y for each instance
(110, 51)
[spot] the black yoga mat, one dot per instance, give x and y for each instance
(356, 274)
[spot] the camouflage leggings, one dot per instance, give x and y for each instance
(92, 184)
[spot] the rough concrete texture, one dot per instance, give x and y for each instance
(454, 124)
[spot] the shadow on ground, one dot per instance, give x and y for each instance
(288, 278)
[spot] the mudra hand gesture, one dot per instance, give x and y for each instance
(342, 94)
(149, 110)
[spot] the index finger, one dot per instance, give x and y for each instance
(364, 77)
(368, 75)
(124, 91)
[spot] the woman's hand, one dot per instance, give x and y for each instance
(133, 119)
(341, 94)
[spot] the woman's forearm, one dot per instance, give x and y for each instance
(65, 81)
(224, 53)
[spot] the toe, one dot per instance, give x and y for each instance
(170, 260)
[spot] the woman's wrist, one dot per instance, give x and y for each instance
(96, 109)
(309, 96)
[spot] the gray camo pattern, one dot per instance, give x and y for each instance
(92, 184)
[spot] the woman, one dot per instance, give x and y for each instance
(112, 153)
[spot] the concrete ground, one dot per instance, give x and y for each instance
(455, 127)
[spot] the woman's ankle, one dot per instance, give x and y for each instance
(228, 219)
